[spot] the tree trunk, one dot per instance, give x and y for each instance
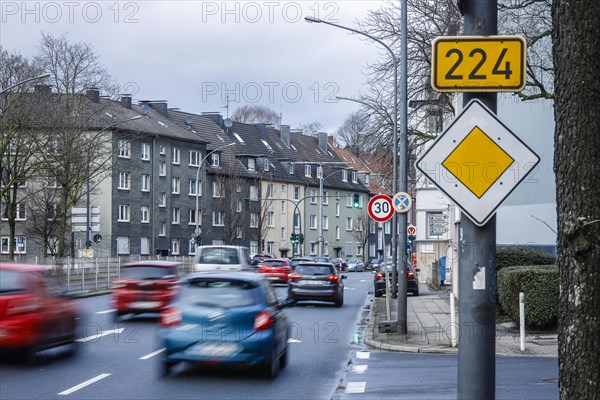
(576, 39)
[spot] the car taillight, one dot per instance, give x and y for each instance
(410, 275)
(170, 317)
(263, 320)
(333, 278)
(295, 277)
(379, 275)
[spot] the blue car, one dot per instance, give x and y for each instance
(223, 319)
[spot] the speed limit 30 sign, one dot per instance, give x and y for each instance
(380, 208)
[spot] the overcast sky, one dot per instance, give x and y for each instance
(194, 53)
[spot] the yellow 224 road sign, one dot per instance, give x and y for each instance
(478, 64)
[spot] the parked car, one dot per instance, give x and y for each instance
(340, 264)
(258, 258)
(277, 270)
(215, 258)
(298, 260)
(316, 281)
(224, 319)
(35, 313)
(145, 287)
(369, 264)
(412, 280)
(355, 265)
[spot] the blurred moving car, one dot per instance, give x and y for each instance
(355, 265)
(215, 258)
(258, 258)
(340, 264)
(298, 260)
(412, 280)
(277, 270)
(316, 281)
(145, 286)
(35, 313)
(369, 264)
(226, 319)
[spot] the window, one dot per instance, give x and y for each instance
(175, 156)
(162, 168)
(144, 246)
(307, 171)
(124, 180)
(344, 175)
(191, 247)
(163, 229)
(266, 164)
(146, 151)
(145, 183)
(367, 179)
(162, 150)
(52, 211)
(325, 222)
(270, 219)
(194, 188)
(217, 189)
(215, 159)
(20, 211)
(337, 232)
(282, 188)
(175, 185)
(358, 249)
(194, 158)
(325, 198)
(251, 164)
(355, 178)
(253, 193)
(283, 206)
(337, 209)
(313, 222)
(253, 220)
(175, 247)
(122, 245)
(52, 248)
(162, 199)
(291, 169)
(238, 206)
(270, 190)
(349, 200)
(319, 171)
(192, 216)
(123, 213)
(124, 148)
(282, 236)
(348, 223)
(270, 247)
(313, 248)
(239, 232)
(296, 192)
(238, 188)
(349, 249)
(19, 245)
(253, 247)
(176, 216)
(145, 214)
(313, 196)
(218, 218)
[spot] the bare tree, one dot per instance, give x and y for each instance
(256, 114)
(44, 215)
(231, 186)
(353, 130)
(577, 145)
(311, 128)
(361, 229)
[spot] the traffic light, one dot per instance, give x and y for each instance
(301, 238)
(294, 238)
(356, 201)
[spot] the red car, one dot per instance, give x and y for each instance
(145, 286)
(276, 269)
(35, 314)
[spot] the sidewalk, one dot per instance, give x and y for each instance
(428, 325)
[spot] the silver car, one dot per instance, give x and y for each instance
(355, 265)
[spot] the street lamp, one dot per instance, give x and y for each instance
(88, 233)
(35, 78)
(197, 231)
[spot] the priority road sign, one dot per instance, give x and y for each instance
(380, 208)
(477, 162)
(402, 202)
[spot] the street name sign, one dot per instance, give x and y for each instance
(478, 64)
(477, 162)
(380, 208)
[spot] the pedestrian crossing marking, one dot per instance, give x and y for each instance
(356, 387)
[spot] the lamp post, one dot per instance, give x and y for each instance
(35, 78)
(197, 231)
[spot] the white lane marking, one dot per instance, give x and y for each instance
(106, 311)
(292, 340)
(363, 355)
(359, 369)
(82, 385)
(147, 356)
(356, 387)
(99, 335)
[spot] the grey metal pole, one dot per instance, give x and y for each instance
(477, 257)
(403, 162)
(320, 252)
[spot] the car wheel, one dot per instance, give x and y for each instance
(117, 317)
(167, 367)
(340, 302)
(378, 294)
(283, 358)
(415, 292)
(272, 368)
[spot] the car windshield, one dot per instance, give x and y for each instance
(10, 282)
(314, 270)
(222, 293)
(219, 255)
(274, 263)
(147, 272)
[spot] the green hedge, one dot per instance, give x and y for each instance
(540, 285)
(516, 256)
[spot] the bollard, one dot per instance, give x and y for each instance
(522, 319)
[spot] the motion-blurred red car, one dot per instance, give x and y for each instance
(145, 287)
(276, 269)
(35, 313)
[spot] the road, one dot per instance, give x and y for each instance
(121, 360)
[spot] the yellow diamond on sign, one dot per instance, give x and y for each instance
(477, 162)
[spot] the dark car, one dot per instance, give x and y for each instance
(340, 264)
(316, 281)
(258, 258)
(412, 281)
(224, 319)
(35, 313)
(277, 270)
(299, 260)
(371, 263)
(145, 287)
